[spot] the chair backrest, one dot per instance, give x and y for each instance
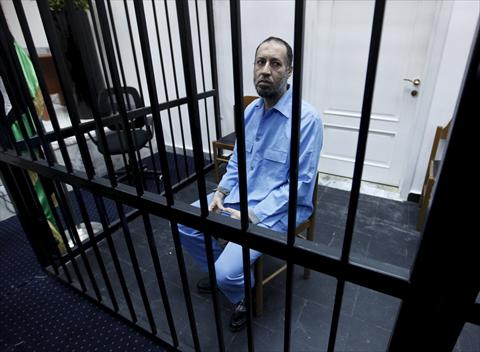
(108, 105)
(247, 99)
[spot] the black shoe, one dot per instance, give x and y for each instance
(239, 317)
(203, 285)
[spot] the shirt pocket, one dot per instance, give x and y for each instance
(275, 155)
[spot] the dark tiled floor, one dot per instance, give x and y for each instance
(384, 238)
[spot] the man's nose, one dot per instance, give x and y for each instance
(266, 69)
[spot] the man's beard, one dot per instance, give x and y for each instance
(271, 91)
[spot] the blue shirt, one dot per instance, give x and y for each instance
(267, 142)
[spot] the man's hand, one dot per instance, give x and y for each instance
(217, 202)
(235, 214)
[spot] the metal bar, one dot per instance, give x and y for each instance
(118, 93)
(41, 81)
(375, 40)
(209, 141)
(113, 252)
(12, 85)
(236, 32)
(183, 16)
(99, 124)
(137, 73)
(213, 62)
(152, 89)
(443, 291)
(113, 226)
(304, 253)
(69, 219)
(98, 256)
(165, 89)
(102, 139)
(136, 268)
(177, 95)
(63, 236)
(67, 87)
(294, 154)
(91, 125)
(160, 279)
(129, 323)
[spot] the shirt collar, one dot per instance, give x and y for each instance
(283, 106)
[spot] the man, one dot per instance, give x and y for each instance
(267, 140)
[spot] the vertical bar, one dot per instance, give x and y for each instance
(91, 235)
(236, 32)
(294, 152)
(150, 75)
(66, 85)
(137, 73)
(143, 33)
(162, 66)
(98, 119)
(213, 63)
(160, 279)
(41, 81)
(69, 219)
(136, 268)
(116, 83)
(113, 252)
(10, 80)
(443, 291)
(62, 235)
(191, 89)
(375, 40)
(203, 81)
(177, 96)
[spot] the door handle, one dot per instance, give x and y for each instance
(415, 82)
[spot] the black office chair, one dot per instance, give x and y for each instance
(116, 138)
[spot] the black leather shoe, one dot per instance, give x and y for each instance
(203, 285)
(238, 319)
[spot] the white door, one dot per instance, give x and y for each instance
(337, 38)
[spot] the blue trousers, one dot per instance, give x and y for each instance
(228, 263)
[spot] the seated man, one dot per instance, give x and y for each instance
(267, 134)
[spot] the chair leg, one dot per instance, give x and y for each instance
(215, 162)
(258, 273)
(310, 237)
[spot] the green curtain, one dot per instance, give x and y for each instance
(36, 95)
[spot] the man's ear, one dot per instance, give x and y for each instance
(290, 71)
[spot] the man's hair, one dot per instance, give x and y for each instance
(284, 43)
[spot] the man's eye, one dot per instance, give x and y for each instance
(260, 62)
(276, 64)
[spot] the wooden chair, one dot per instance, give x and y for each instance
(309, 228)
(432, 168)
(226, 143)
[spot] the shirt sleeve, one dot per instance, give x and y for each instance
(311, 139)
(230, 178)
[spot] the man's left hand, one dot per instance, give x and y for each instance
(233, 213)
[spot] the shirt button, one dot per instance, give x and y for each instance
(257, 139)
(251, 167)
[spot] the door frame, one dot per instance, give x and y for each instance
(432, 68)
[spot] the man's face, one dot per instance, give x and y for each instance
(271, 70)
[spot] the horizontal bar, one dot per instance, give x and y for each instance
(304, 253)
(88, 126)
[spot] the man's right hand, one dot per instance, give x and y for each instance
(217, 202)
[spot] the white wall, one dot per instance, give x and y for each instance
(463, 20)
(261, 19)
(127, 58)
